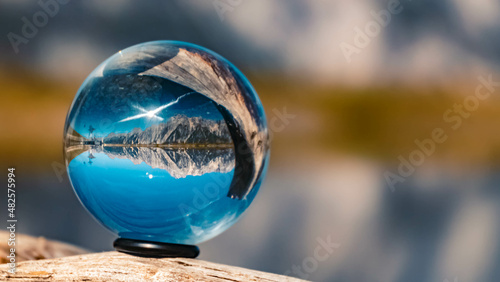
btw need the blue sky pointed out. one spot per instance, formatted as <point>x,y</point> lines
<point>121,111</point>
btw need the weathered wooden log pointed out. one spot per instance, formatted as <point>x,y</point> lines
<point>33,248</point>
<point>115,266</point>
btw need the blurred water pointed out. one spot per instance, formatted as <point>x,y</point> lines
<point>438,225</point>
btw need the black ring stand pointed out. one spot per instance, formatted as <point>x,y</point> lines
<point>155,249</point>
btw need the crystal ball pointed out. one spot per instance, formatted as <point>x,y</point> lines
<point>166,141</point>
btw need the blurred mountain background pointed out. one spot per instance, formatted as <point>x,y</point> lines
<point>338,124</point>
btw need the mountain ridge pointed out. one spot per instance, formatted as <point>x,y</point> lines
<point>179,163</point>
<point>179,129</point>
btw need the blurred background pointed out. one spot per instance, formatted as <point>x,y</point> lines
<point>349,88</point>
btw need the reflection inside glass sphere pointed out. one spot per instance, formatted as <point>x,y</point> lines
<point>166,141</point>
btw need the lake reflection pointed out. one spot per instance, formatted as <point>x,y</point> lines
<point>159,194</point>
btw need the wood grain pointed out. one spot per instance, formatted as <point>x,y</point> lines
<point>114,266</point>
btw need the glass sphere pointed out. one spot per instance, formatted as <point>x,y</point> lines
<point>166,141</point>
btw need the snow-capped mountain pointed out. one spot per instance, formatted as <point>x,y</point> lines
<point>178,162</point>
<point>179,129</point>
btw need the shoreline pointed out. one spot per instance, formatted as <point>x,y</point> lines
<point>172,146</point>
